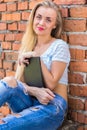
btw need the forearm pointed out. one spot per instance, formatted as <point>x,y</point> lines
<point>48,77</point>
<point>31,90</point>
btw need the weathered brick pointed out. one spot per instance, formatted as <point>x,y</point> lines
<point>12,7</point>
<point>64,12</point>
<point>10,0</point>
<point>10,73</point>
<point>6,45</point>
<point>81,118</point>
<point>18,36</point>
<point>80,12</point>
<point>3,26</point>
<point>2,36</point>
<point>25,15</point>
<point>33,3</point>
<point>70,1</point>
<point>75,25</point>
<point>10,37</point>
<point>12,26</point>
<point>76,78</point>
<point>11,56</point>
<point>7,65</point>
<point>2,73</point>
<point>78,39</point>
<point>80,91</point>
<point>2,7</point>
<point>78,66</point>
<point>11,17</point>
<point>86,105</point>
<point>80,128</point>
<point>76,104</point>
<point>22,5</point>
<point>1,64</point>
<point>15,46</point>
<point>77,54</point>
<point>21,26</point>
<point>73,115</point>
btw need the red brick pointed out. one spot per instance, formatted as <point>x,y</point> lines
<point>77,54</point>
<point>33,3</point>
<point>2,7</point>
<point>15,66</point>
<point>22,5</point>
<point>10,37</point>
<point>25,15</point>
<point>2,55</point>
<point>15,46</point>
<point>80,91</point>
<point>70,1</point>
<point>86,105</point>
<point>64,12</point>
<point>80,12</point>
<point>10,73</point>
<point>80,128</point>
<point>12,26</point>
<point>3,26</point>
<point>13,37</point>
<point>21,26</point>
<point>10,0</point>
<point>11,17</point>
<point>2,36</point>
<point>0,64</point>
<point>18,36</point>
<point>86,54</point>
<point>78,39</point>
<point>78,66</point>
<point>75,25</point>
<point>11,7</point>
<point>73,115</point>
<point>81,118</point>
<point>76,104</point>
<point>76,78</point>
<point>6,45</point>
<point>7,65</point>
<point>11,56</point>
<point>2,73</point>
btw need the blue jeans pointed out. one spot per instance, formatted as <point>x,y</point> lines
<point>33,114</point>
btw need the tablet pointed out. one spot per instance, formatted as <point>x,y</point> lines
<point>33,73</point>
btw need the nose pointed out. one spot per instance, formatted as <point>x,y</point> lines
<point>42,22</point>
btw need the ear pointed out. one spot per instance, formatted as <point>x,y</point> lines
<point>54,27</point>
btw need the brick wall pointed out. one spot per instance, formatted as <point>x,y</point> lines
<point>13,18</point>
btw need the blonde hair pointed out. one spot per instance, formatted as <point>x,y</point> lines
<point>30,38</point>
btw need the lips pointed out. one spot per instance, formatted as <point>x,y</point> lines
<point>40,28</point>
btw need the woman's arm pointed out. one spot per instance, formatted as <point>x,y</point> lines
<point>44,95</point>
<point>53,76</point>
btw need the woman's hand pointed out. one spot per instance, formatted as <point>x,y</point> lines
<point>23,58</point>
<point>44,95</point>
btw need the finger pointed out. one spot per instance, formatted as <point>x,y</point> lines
<point>50,92</point>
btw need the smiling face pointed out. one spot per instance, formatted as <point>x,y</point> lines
<point>44,21</point>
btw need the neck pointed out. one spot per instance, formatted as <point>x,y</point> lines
<point>42,40</point>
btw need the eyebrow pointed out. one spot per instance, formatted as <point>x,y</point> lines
<point>46,17</point>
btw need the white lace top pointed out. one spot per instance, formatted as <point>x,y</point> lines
<point>58,51</point>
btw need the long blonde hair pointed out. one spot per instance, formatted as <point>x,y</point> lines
<point>29,39</point>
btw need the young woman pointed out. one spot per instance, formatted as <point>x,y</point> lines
<point>39,108</point>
